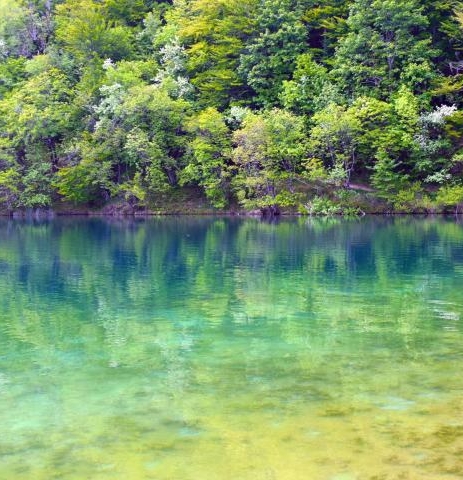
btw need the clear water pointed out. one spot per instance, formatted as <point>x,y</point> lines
<point>205,348</point>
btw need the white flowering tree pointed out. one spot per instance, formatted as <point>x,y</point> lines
<point>433,145</point>
<point>172,74</point>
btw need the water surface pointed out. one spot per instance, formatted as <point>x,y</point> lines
<point>210,348</point>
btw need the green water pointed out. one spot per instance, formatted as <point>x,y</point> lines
<point>205,348</point>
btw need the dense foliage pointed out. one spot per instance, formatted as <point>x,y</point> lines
<point>266,104</point>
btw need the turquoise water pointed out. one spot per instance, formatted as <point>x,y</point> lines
<point>210,348</point>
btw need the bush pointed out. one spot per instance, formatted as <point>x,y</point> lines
<point>450,196</point>
<point>325,206</point>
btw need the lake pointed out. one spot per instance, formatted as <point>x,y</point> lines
<point>231,349</point>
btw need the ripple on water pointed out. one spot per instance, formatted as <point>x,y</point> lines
<point>396,403</point>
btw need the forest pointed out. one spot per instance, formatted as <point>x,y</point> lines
<point>330,107</point>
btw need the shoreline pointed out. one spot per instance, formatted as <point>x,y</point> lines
<point>44,214</point>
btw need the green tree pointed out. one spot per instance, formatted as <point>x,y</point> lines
<point>387,178</point>
<point>84,29</point>
<point>335,139</point>
<point>384,37</point>
<point>269,153</point>
<point>210,152</point>
<point>12,73</point>
<point>10,181</point>
<point>270,57</point>
<point>310,89</point>
<point>326,24</point>
<point>127,12</point>
<point>35,118</point>
<point>135,142</point>
<point>26,27</point>
<point>215,34</point>
<point>153,110</point>
<point>450,196</point>
<point>37,115</point>
<point>88,179</point>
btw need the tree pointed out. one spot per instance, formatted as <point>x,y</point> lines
<point>127,12</point>
<point>387,178</point>
<point>270,57</point>
<point>210,151</point>
<point>434,148</point>
<point>88,179</point>
<point>326,24</point>
<point>214,34</point>
<point>34,119</point>
<point>12,73</point>
<point>335,138</point>
<point>26,26</point>
<point>450,196</point>
<point>37,115</point>
<point>384,37</point>
<point>151,109</point>
<point>84,30</point>
<point>268,154</point>
<point>310,89</point>
<point>10,182</point>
